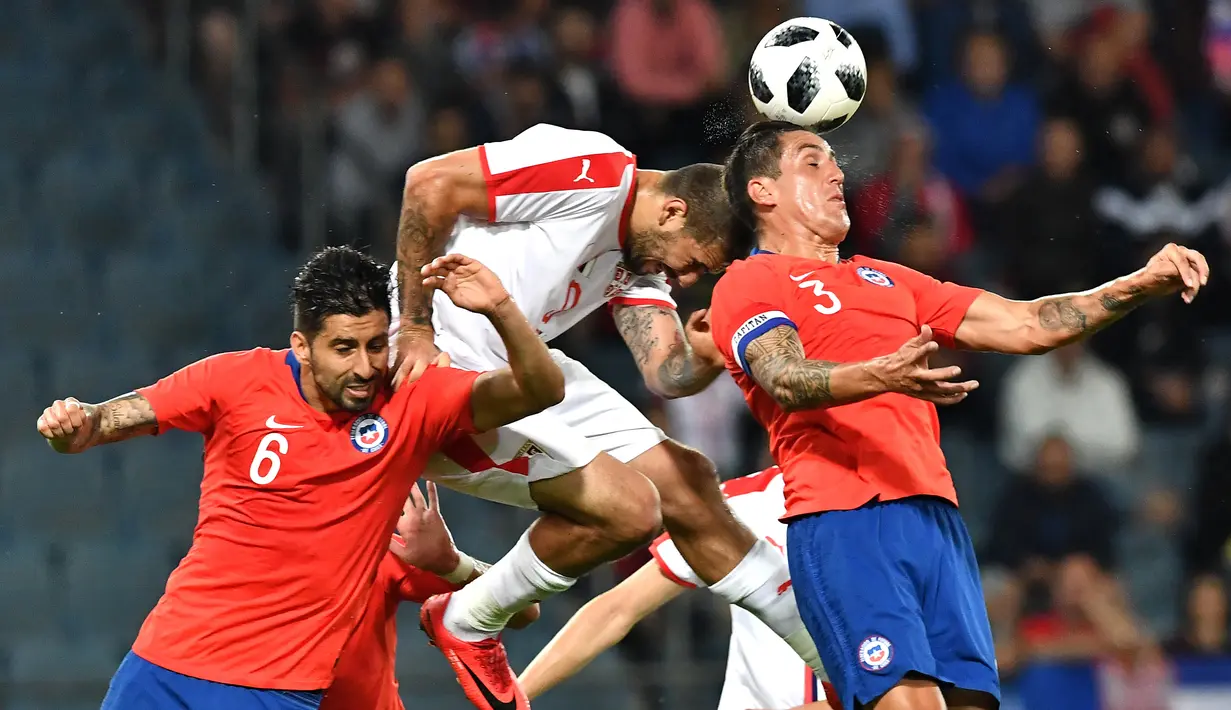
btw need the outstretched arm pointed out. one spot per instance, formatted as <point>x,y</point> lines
<point>436,193</point>
<point>71,427</point>
<point>777,362</point>
<point>1031,327</point>
<point>599,625</point>
<point>675,361</point>
<point>533,381</point>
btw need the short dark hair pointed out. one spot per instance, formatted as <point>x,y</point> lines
<point>338,281</point>
<point>757,153</point>
<point>700,187</point>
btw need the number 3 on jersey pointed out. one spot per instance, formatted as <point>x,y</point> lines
<point>831,304</point>
<point>264,453</point>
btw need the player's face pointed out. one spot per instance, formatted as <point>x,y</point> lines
<point>809,189</point>
<point>348,360</point>
<point>676,254</point>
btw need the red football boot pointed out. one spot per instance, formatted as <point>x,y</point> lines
<point>482,667</point>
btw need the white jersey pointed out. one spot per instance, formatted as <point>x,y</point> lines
<point>762,670</point>
<point>557,213</point>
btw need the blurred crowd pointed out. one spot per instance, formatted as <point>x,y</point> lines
<point>1028,146</point>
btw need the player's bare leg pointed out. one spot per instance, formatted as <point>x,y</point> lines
<point>594,514</point>
<point>737,567</point>
<point>913,692</point>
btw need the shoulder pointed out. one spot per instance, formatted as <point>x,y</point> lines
<point>545,143</point>
<point>745,272</point>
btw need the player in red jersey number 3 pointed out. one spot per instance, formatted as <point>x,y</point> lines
<point>305,449</point>
<point>832,356</point>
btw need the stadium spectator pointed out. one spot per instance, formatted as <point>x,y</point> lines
<point>1204,628</point>
<point>884,23</point>
<point>504,33</point>
<point>984,126</point>
<point>1072,392</point>
<point>1058,20</point>
<point>335,40</point>
<point>1110,109</point>
<point>1207,548</point>
<point>379,133</point>
<point>588,90</point>
<point>884,117</point>
<point>911,197</point>
<point>1055,537</point>
<point>1047,230</point>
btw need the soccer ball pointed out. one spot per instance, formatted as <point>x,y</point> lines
<point>808,71</point>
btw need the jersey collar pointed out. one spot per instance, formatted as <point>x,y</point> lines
<point>295,372</point>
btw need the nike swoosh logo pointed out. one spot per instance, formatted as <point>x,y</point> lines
<point>492,700</point>
<point>270,423</point>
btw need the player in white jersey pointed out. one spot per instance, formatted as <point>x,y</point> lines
<point>569,223</point>
<point>762,671</point>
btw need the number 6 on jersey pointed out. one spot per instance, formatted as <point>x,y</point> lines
<point>264,453</point>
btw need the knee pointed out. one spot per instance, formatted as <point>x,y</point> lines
<point>686,479</point>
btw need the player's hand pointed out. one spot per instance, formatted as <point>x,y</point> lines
<point>907,372</point>
<point>426,542</point>
<point>415,353</point>
<point>701,338</point>
<point>1176,268</point>
<point>466,282</point>
<point>68,425</point>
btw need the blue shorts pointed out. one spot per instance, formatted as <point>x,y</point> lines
<point>141,685</point>
<point>892,588</point>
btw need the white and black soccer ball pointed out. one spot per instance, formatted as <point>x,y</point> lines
<point>808,71</point>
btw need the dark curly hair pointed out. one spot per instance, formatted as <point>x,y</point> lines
<point>338,281</point>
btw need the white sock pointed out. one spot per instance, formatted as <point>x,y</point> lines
<point>761,584</point>
<point>481,609</point>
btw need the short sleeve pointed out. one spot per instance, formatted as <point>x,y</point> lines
<point>647,290</point>
<point>940,304</point>
<point>671,563</point>
<point>187,399</point>
<point>442,398</point>
<point>548,172</point>
<point>741,312</point>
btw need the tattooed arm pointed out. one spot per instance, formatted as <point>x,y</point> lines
<point>436,193</point>
<point>676,361</point>
<point>777,362</point>
<point>71,427</point>
<point>1031,327</point>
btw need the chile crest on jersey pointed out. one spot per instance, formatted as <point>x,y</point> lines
<point>369,433</point>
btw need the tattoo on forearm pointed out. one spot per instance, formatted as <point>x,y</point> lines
<point>1086,313</point>
<point>679,374</point>
<point>1061,314</point>
<point>1130,299</point>
<point>125,417</point>
<point>779,366</point>
<point>418,242</point>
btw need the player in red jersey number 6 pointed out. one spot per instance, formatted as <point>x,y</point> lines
<point>305,449</point>
<point>816,344</point>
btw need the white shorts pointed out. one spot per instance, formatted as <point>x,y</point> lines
<point>500,465</point>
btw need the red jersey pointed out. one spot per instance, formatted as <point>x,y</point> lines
<point>295,514</point>
<point>365,676</point>
<point>840,458</point>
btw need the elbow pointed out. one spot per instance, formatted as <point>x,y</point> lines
<point>428,184</point>
<point>550,392</point>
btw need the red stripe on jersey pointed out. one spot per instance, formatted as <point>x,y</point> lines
<point>623,301</point>
<point>627,213</point>
<point>752,483</point>
<point>467,453</point>
<point>487,180</point>
<point>809,686</point>
<point>664,567</point>
<point>583,172</point>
